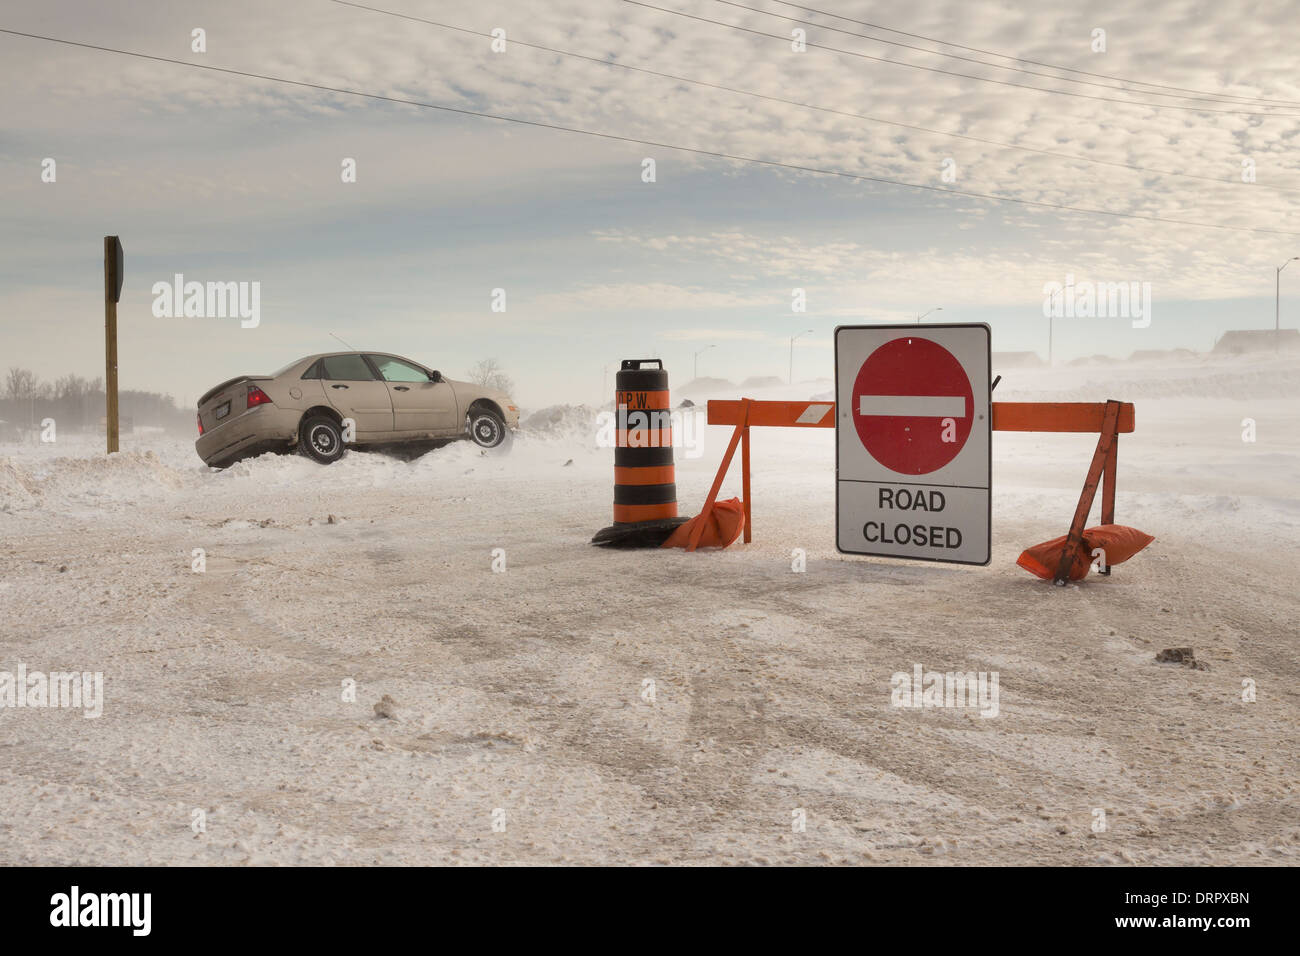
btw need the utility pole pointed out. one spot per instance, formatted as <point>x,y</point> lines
<point>792,338</point>
<point>113,269</point>
<point>1277,303</point>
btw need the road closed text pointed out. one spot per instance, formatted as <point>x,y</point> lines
<point>905,532</point>
<point>935,523</point>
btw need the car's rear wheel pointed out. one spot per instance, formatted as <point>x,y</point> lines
<point>487,429</point>
<point>321,439</point>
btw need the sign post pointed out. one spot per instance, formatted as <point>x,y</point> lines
<point>113,273</point>
<point>913,440</point>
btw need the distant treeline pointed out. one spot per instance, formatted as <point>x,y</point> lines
<point>77,403</point>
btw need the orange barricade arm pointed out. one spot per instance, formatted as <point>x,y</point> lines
<point>1108,419</point>
<point>1007,416</point>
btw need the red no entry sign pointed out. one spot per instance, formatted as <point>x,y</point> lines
<point>912,405</point>
<point>913,442</point>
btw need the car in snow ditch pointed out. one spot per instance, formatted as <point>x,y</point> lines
<point>323,403</point>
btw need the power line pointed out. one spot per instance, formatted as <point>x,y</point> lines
<point>967,76</point>
<point>1050,66</point>
<point>811,106</point>
<point>1209,98</point>
<point>614,137</point>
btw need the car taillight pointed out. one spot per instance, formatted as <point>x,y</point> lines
<point>257,397</point>
<point>199,418</point>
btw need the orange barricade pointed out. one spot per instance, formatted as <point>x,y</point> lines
<point>1109,419</point>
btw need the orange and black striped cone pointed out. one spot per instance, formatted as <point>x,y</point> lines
<point>645,483</point>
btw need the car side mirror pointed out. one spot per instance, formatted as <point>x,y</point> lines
<point>435,376</point>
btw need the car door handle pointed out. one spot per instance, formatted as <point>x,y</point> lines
<point>400,388</point>
<point>338,386</point>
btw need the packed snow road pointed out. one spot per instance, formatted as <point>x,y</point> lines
<point>321,665</point>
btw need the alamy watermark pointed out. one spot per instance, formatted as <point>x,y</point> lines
<point>65,689</point>
<point>129,910</point>
<point>922,688</point>
<point>1098,300</point>
<point>652,428</point>
<point>208,300</point>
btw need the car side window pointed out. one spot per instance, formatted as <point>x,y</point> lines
<point>314,371</point>
<point>346,368</point>
<point>395,370</point>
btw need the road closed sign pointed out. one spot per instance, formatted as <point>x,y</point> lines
<point>913,435</point>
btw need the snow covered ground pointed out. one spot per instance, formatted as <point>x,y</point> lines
<point>523,725</point>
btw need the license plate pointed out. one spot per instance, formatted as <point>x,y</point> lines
<point>222,410</point>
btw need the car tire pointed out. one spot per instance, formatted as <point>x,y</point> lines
<point>488,430</point>
<point>321,439</point>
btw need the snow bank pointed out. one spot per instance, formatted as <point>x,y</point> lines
<point>560,421</point>
<point>106,480</point>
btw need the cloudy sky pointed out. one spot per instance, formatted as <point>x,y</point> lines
<point>222,177</point>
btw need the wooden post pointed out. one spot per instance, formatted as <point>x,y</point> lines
<point>112,290</point>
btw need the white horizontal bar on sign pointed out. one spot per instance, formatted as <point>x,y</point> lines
<point>913,406</point>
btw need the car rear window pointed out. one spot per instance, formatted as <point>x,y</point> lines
<point>347,368</point>
<point>280,372</point>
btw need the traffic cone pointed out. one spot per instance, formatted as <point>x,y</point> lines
<point>645,483</point>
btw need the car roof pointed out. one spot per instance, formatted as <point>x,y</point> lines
<point>319,355</point>
<point>309,359</point>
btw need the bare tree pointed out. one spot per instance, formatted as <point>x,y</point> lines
<point>75,401</point>
<point>71,388</point>
<point>20,384</point>
<point>489,374</point>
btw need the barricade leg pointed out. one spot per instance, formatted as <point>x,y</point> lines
<point>1108,490</point>
<point>744,480</point>
<point>741,427</point>
<point>1105,445</point>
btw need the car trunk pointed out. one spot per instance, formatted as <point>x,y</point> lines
<point>226,401</point>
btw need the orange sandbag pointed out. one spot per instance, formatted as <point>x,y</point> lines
<point>722,526</point>
<point>1118,541</point>
<point>1042,560</point>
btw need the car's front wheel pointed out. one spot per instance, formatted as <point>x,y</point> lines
<point>321,439</point>
<point>487,429</point>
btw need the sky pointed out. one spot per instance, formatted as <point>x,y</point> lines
<point>227,178</point>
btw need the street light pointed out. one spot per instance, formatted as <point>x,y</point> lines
<point>920,317</point>
<point>1277,302</point>
<point>1051,321</point>
<point>792,338</point>
<point>697,359</point>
